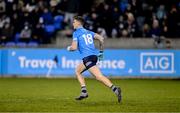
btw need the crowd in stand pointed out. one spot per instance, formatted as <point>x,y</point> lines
<point>39,20</point>
<point>136,18</point>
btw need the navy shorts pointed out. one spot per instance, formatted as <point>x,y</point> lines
<point>90,61</point>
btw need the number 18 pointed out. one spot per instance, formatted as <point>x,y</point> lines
<point>88,38</point>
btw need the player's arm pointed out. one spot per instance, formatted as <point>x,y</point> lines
<point>101,46</point>
<point>101,40</point>
<point>73,46</point>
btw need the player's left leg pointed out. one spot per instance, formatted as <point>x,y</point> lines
<point>99,76</point>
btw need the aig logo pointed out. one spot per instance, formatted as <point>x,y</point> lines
<point>157,63</point>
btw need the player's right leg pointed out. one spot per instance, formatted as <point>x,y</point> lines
<point>99,76</point>
<point>81,68</point>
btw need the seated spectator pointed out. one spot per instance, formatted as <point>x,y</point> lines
<point>168,44</point>
<point>2,7</point>
<point>4,19</point>
<point>92,21</point>
<point>114,33</point>
<point>121,25</point>
<point>165,31</point>
<point>25,35</point>
<point>161,13</point>
<point>39,32</point>
<point>47,16</point>
<point>172,21</point>
<point>102,32</point>
<point>6,33</point>
<point>162,42</point>
<point>130,25</point>
<point>146,31</point>
<point>155,30</point>
<point>111,18</point>
<point>124,33</point>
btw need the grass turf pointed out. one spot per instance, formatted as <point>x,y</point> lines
<point>57,95</point>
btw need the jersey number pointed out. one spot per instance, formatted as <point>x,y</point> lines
<point>88,39</point>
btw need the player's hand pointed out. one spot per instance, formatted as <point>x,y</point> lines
<point>101,55</point>
<point>68,48</point>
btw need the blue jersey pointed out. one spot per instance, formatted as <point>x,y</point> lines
<point>85,41</point>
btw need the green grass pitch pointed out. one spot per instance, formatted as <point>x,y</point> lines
<point>57,95</point>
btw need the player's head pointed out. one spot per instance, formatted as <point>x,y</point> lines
<point>78,21</point>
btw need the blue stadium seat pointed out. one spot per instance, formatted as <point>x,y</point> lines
<point>10,44</point>
<point>17,36</point>
<point>58,21</point>
<point>32,44</point>
<point>49,29</point>
<point>21,44</point>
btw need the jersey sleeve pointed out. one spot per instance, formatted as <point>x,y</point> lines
<point>74,36</point>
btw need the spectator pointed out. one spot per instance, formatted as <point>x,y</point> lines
<point>161,12</point>
<point>145,31</point>
<point>2,7</point>
<point>172,22</point>
<point>155,31</point>
<point>124,33</point>
<point>159,42</point>
<point>92,22</point>
<point>71,10</point>
<point>16,23</point>
<point>25,35</point>
<point>102,32</point>
<point>123,5</point>
<point>114,33</point>
<point>4,19</point>
<point>39,32</point>
<point>130,25</point>
<point>168,44</point>
<point>121,25</point>
<point>10,6</point>
<point>47,16</point>
<point>111,18</point>
<point>106,19</point>
<point>165,31</point>
<point>115,18</point>
<point>6,33</point>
